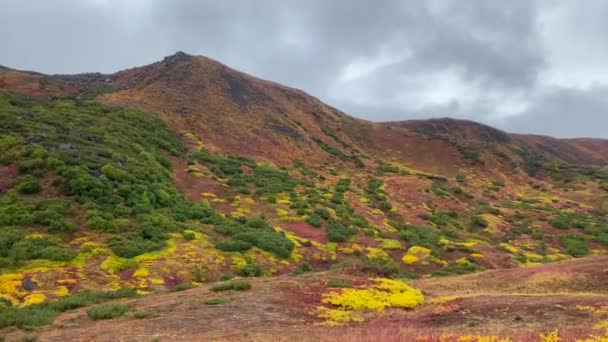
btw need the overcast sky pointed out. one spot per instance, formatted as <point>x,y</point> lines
<point>523,66</point>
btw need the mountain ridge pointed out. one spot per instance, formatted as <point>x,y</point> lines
<point>181,56</point>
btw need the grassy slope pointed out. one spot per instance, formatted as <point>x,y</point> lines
<point>520,303</point>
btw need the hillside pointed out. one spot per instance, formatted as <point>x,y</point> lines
<point>186,172</point>
<point>489,305</point>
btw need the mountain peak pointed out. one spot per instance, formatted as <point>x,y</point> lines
<point>178,57</point>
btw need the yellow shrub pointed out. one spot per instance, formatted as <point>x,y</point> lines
<point>376,254</point>
<point>377,212</point>
<point>335,317</point>
<point>62,291</point>
<point>550,337</point>
<point>419,251</point>
<point>409,259</point>
<point>238,262</point>
<point>416,254</point>
<point>383,294</point>
<point>390,244</point>
<point>10,284</point>
<point>33,298</point>
<point>141,272</point>
<point>115,264</point>
<point>476,338</point>
<point>157,281</point>
<point>509,248</point>
<point>462,262</point>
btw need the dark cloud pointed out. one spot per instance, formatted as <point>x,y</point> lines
<point>510,64</point>
<point>566,112</point>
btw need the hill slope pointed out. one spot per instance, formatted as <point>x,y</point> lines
<point>518,303</point>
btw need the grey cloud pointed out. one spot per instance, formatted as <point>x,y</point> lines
<point>566,112</point>
<point>387,60</point>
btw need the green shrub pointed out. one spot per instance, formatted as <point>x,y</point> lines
<point>338,283</point>
<point>234,246</point>
<point>226,276</point>
<point>107,311</point>
<point>251,270</point>
<point>315,221</point>
<point>409,275</point>
<point>28,185</point>
<point>460,178</point>
<point>303,268</point>
<point>45,313</point>
<point>462,268</point>
<point>217,301</point>
<point>40,248</point>
<point>87,298</point>
<point>575,245</point>
<point>338,232</point>
<point>182,287</point>
<point>235,285</point>
<point>421,236</point>
<point>383,267</point>
<point>133,245</point>
<point>28,317</point>
<point>31,165</point>
<point>270,241</point>
<point>560,222</point>
<point>323,213</point>
<point>189,235</point>
<point>479,222</point>
<point>143,314</point>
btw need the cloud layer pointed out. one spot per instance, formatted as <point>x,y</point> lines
<point>523,65</point>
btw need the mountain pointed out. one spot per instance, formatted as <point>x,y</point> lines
<point>186,172</point>
<point>271,121</point>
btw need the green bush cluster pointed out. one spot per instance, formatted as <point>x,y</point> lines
<point>16,248</point>
<point>468,266</point>
<point>338,283</point>
<point>384,167</point>
<point>251,270</point>
<point>217,301</point>
<point>315,220</point>
<point>28,184</point>
<point>111,161</point>
<point>377,195</point>
<point>439,217</point>
<point>470,154</point>
<point>143,314</point>
<point>24,213</point>
<point>352,157</point>
<point>478,222</point>
<point>575,245</point>
<point>254,232</point>
<point>421,236</point>
<point>45,313</point>
<point>107,311</point>
<point>342,187</point>
<point>268,180</point>
<point>339,232</point>
<point>565,220</point>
